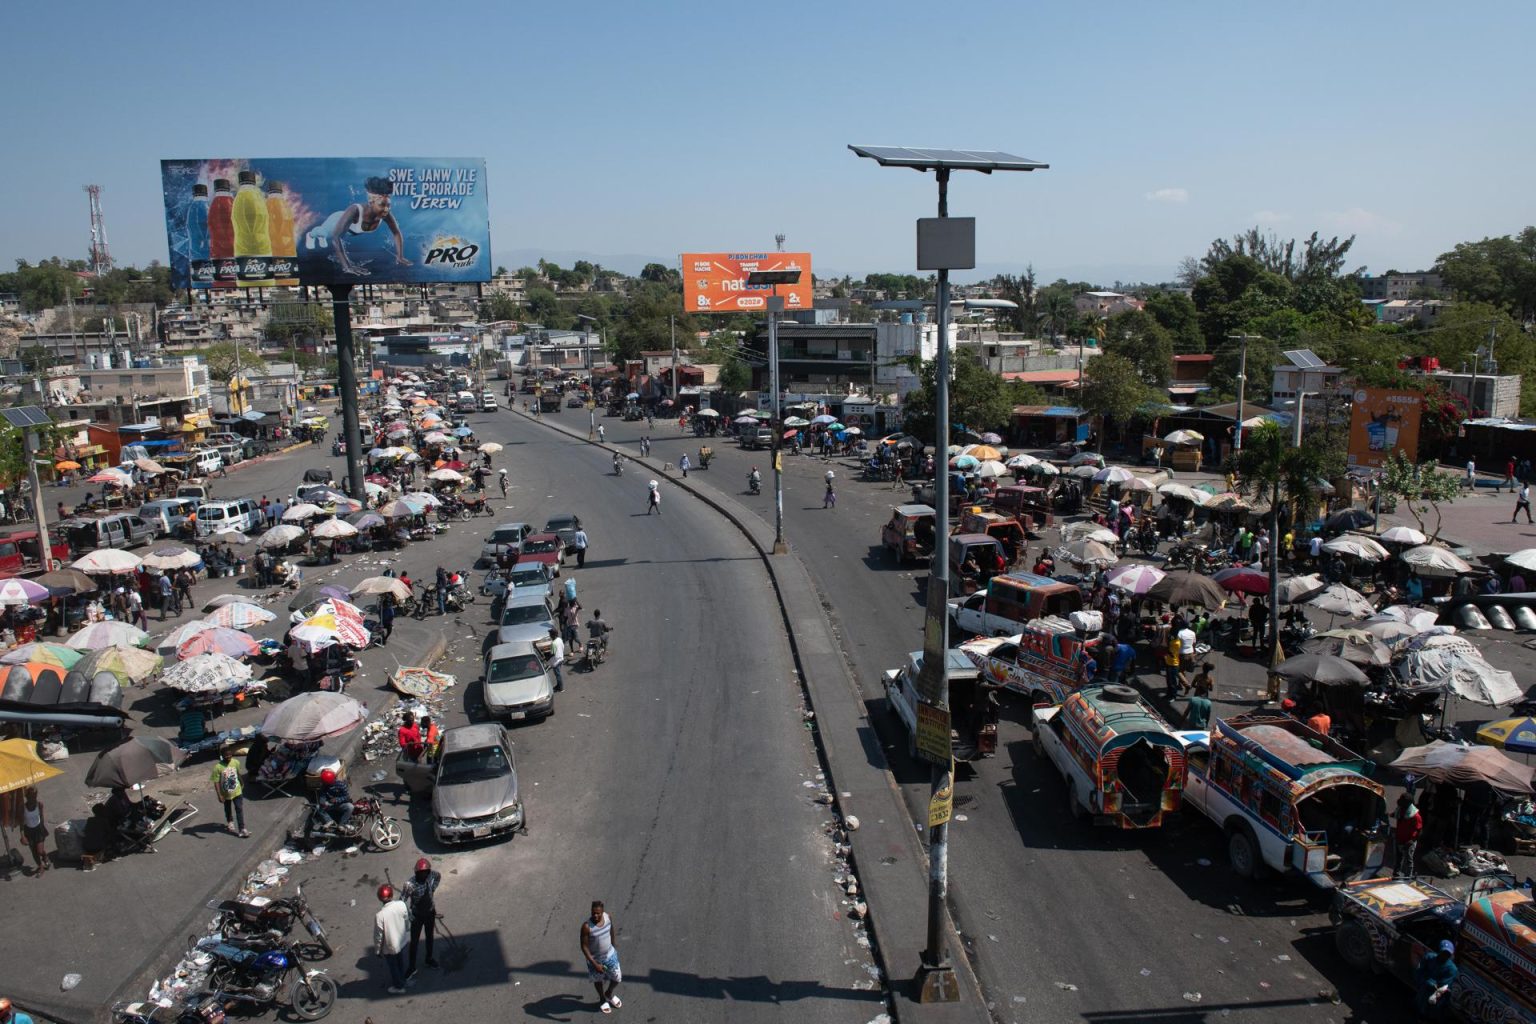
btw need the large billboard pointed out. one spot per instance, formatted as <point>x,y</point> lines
<point>716,282</point>
<point>253,223</point>
<point>1381,421</point>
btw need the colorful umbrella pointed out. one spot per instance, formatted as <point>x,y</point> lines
<point>67,466</point>
<point>327,627</point>
<point>217,640</point>
<point>964,462</point>
<point>107,634</point>
<point>366,520</point>
<point>240,615</point>
<point>42,653</point>
<point>1517,734</point>
<point>111,477</point>
<point>398,508</point>
<point>206,673</point>
<point>984,453</point>
<point>20,766</point>
<point>128,664</point>
<point>16,592</point>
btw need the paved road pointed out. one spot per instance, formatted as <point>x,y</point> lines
<point>1062,922</point>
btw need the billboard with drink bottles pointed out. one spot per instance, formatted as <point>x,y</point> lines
<point>257,223</point>
<point>716,282</point>
<point>1381,421</point>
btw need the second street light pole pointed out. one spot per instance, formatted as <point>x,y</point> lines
<point>772,279</point>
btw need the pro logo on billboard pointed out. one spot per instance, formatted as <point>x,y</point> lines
<point>260,222</point>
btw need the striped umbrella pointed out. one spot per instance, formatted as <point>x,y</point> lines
<point>239,615</point>
<point>217,640</point>
<point>16,592</point>
<point>128,664</point>
<point>42,653</point>
<point>1135,579</point>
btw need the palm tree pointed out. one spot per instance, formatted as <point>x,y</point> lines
<point>1057,311</point>
<point>1270,465</point>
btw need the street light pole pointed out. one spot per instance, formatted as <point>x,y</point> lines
<point>1242,387</point>
<point>774,278</point>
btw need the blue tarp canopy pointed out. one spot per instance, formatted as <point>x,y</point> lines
<point>1062,410</point>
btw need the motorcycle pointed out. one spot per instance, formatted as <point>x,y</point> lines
<point>457,598</point>
<point>453,509</point>
<point>597,651</point>
<point>754,485</point>
<point>265,974</point>
<point>253,916</point>
<point>368,821</point>
<point>618,466</point>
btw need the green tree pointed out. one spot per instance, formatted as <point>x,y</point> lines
<point>498,307</point>
<point>658,273</point>
<point>1143,341</point>
<point>544,308</point>
<point>1271,467</point>
<point>735,376</point>
<point>1422,488</point>
<point>1057,309</point>
<point>1113,388</point>
<point>977,398</point>
<point>1500,271</point>
<point>1177,314</point>
<point>1263,354</point>
<point>1020,290</point>
<point>1236,291</point>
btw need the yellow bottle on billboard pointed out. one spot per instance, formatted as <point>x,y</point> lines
<point>253,242</point>
<point>285,259</point>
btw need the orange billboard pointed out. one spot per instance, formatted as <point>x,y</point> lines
<point>716,282</point>
<point>1381,421</point>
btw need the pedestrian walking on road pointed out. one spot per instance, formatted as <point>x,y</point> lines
<point>829,499</point>
<point>653,499</point>
<point>226,783</point>
<point>501,476</point>
<point>602,959</point>
<point>556,657</point>
<point>183,590</point>
<point>136,609</point>
<point>389,936</point>
<point>34,829</point>
<point>1471,473</point>
<point>1410,825</point>
<point>579,542</point>
<point>1522,502</point>
<point>442,591</point>
<point>386,619</point>
<point>684,465</point>
<point>167,592</point>
<point>420,896</point>
<point>1509,474</point>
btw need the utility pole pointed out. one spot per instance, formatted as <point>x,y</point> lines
<point>1242,388</point>
<point>672,326</point>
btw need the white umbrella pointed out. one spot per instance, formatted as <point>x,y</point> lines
<point>1299,588</point>
<point>744,420</point>
<point>1193,494</point>
<point>1138,483</point>
<point>422,498</point>
<point>332,529</point>
<point>1356,546</point>
<point>1135,579</point>
<point>378,585</point>
<point>1088,531</point>
<point>1083,472</point>
<point>446,475</point>
<point>1185,437</point>
<point>1341,600</point>
<point>302,511</point>
<point>1403,535</point>
<point>491,447</point>
<point>280,536</point>
<point>1113,475</point>
<point>1087,552</point>
<point>205,673</point>
<point>1388,631</point>
<point>797,421</point>
<point>107,560</point>
<point>1523,559</point>
<point>1463,671</point>
<point>712,413</point>
<point>314,716</point>
<point>1021,461</point>
<point>239,615</point>
<point>172,558</point>
<point>1045,469</point>
<point>1420,619</point>
<point>991,469</point>
<point>1428,560</point>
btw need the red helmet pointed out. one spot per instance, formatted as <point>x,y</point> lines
<point>328,776</point>
<point>5,1009</point>
<point>386,893</point>
<point>423,865</point>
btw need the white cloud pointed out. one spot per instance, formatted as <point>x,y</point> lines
<point>1270,217</point>
<point>1169,195</point>
<point>1357,219</point>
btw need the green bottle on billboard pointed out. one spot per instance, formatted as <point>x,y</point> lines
<point>253,243</point>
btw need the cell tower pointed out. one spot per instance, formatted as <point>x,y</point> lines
<point>101,256</point>
<point>779,238</point>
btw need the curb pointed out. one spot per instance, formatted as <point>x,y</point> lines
<point>898,999</point>
<point>159,962</point>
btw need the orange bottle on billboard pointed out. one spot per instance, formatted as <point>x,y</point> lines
<point>285,256</point>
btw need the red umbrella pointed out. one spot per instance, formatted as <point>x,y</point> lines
<point>1243,580</point>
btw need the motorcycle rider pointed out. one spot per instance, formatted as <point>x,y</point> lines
<point>333,803</point>
<point>755,481</point>
<point>419,895</point>
<point>618,465</point>
<point>442,591</point>
<point>598,630</point>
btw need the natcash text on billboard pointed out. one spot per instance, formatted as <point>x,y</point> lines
<point>254,223</point>
<point>716,282</point>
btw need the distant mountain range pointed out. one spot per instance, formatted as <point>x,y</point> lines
<point>632,263</point>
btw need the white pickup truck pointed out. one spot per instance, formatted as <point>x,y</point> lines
<point>973,706</point>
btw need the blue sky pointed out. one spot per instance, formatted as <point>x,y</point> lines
<point>653,129</point>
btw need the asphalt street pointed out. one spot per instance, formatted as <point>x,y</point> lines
<point>675,782</point>
<point>1063,922</point>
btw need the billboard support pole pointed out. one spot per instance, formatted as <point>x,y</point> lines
<point>346,383</point>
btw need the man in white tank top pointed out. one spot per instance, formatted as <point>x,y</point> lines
<point>602,958</point>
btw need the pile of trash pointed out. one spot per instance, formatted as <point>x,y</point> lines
<point>1464,860</point>
<point>379,735</point>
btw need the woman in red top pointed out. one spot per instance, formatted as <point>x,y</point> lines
<point>409,736</point>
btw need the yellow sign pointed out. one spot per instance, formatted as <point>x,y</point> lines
<point>933,733</point>
<point>941,806</point>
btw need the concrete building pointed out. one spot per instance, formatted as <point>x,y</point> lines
<point>1106,304</point>
<point>1300,370</point>
<point>819,357</point>
<point>1393,286</point>
<point>1424,311</point>
<point>1489,396</point>
<point>895,346</point>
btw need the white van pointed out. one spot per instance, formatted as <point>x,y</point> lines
<point>241,514</point>
<point>207,461</point>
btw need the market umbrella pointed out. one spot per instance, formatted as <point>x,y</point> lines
<point>991,470</point>
<point>1459,669</point>
<point>217,640</point>
<point>1113,475</point>
<point>1185,437</point>
<point>746,419</point>
<point>1517,734</point>
<point>1337,599</point>
<point>1084,472</point>
<point>398,508</point>
<point>42,653</point>
<point>1355,646</point>
<point>1461,764</point>
<point>1227,500</point>
<point>240,615</point>
<point>1189,494</point>
<point>280,536</point>
<point>1086,459</point>
<point>1138,483</point>
<point>491,447</point>
<point>114,477</point>
<point>1403,535</point>
<point>422,499</point>
<point>1021,461</point>
<point>314,716</point>
<point>376,586</point>
<point>71,580</point>
<point>67,466</point>
<point>16,592</point>
<point>1348,519</point>
<point>1243,580</point>
<point>366,520</point>
<point>333,529</point>
<point>1178,588</point>
<point>1135,579</point>
<point>1525,558</point>
<point>1089,531</point>
<point>462,432</point>
<point>172,557</point>
<point>149,466</point>
<point>206,673</point>
<point>1428,560</point>
<point>128,664</point>
<point>1044,469</point>
<point>317,592</point>
<point>1420,619</point>
<point>330,627</point>
<point>1327,669</point>
<point>135,760</point>
<point>984,453</point>
<point>797,422</point>
<point>181,634</point>
<point>222,600</point>
<point>303,510</point>
<point>1355,546</point>
<point>1088,553</point>
<point>1388,631</point>
<point>107,560</point>
<point>108,633</point>
<point>20,766</point>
